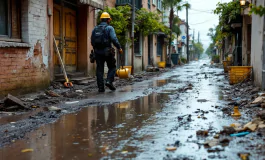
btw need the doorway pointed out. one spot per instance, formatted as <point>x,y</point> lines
<point>150,50</point>
<point>65,33</point>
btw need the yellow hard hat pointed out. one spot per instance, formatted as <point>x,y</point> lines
<point>105,15</point>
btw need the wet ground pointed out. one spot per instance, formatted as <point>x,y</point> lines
<point>141,122</point>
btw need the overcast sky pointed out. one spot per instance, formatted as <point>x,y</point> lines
<point>201,18</point>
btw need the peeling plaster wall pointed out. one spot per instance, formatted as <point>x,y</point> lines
<point>24,66</point>
<point>257,47</point>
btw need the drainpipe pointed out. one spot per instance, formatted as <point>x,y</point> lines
<point>263,56</point>
<point>50,37</point>
<point>132,34</point>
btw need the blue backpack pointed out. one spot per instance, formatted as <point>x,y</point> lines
<point>100,37</point>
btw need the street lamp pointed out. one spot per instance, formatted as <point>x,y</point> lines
<point>244,3</point>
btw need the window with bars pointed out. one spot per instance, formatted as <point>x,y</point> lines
<point>10,19</point>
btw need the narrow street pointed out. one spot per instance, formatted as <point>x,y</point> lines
<point>166,111</point>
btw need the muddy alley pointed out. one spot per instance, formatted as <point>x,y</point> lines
<point>178,115</point>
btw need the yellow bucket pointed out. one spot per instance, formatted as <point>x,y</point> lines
<point>128,67</point>
<point>161,64</point>
<point>238,74</point>
<point>123,105</point>
<point>123,73</point>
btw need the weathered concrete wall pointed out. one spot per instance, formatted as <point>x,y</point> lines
<point>257,46</point>
<point>111,3</point>
<point>27,68</point>
<point>145,52</point>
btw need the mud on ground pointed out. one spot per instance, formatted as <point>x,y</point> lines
<point>15,123</point>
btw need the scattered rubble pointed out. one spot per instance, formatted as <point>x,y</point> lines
<point>51,93</point>
<point>202,133</point>
<point>12,103</point>
<point>171,148</point>
<point>202,100</point>
<point>228,130</point>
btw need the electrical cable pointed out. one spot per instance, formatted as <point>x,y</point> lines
<point>201,10</point>
<point>203,21</point>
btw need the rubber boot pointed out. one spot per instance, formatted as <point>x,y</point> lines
<point>110,85</point>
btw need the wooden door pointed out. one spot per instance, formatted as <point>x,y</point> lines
<point>70,39</point>
<point>64,30</point>
<point>57,32</point>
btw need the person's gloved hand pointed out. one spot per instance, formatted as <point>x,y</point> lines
<point>121,51</point>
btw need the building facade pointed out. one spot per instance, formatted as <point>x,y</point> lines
<point>28,28</point>
<point>257,46</point>
<point>28,61</point>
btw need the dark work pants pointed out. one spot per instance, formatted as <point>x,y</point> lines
<point>101,58</point>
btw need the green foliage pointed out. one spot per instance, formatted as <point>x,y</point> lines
<point>227,12</point>
<point>210,49</point>
<point>148,22</point>
<point>173,6</point>
<point>120,21</point>
<point>198,48</point>
<point>171,3</point>
<point>216,58</point>
<point>175,27</point>
<point>259,10</point>
<point>183,60</point>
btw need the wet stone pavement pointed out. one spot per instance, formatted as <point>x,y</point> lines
<point>154,117</point>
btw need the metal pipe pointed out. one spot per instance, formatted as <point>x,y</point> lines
<point>188,50</point>
<point>132,34</point>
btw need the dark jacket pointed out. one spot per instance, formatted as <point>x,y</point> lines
<point>111,35</point>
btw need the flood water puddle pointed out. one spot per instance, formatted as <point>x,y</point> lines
<point>92,133</point>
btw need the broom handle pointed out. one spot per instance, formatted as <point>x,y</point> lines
<point>60,59</point>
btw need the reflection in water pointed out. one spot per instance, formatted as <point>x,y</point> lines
<point>95,132</point>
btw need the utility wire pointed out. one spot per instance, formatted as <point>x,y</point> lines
<point>201,10</point>
<point>204,21</point>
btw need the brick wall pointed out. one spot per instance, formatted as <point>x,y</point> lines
<point>18,75</point>
<point>26,69</point>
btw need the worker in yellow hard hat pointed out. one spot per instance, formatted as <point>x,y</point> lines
<point>102,37</point>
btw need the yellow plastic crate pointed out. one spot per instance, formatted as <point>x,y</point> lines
<point>238,74</point>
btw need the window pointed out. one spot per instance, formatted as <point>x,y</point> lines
<point>149,4</point>
<point>159,5</point>
<point>154,2</point>
<point>3,17</point>
<point>159,45</point>
<point>10,19</point>
<point>137,46</point>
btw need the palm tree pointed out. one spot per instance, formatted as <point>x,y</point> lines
<point>173,6</point>
<point>175,27</point>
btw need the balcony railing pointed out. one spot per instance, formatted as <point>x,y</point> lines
<point>138,3</point>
